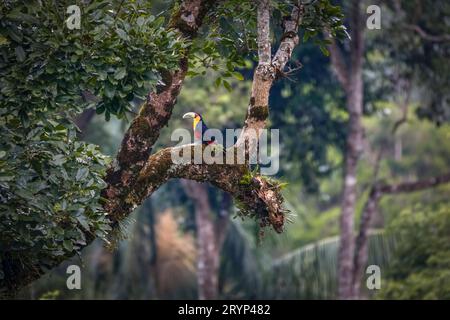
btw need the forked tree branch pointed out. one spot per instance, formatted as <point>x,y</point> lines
<point>135,174</point>
<point>144,130</point>
<point>370,208</point>
<point>258,195</point>
<point>266,73</point>
<point>136,144</point>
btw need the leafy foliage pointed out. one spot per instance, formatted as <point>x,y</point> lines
<point>116,56</point>
<point>410,56</point>
<point>49,191</point>
<point>50,183</point>
<point>421,263</point>
<point>310,107</point>
<point>231,36</point>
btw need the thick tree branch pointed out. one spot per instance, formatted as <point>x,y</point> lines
<point>414,185</point>
<point>426,36</point>
<point>289,39</point>
<point>134,175</point>
<point>265,73</point>
<point>263,28</point>
<point>370,208</point>
<point>153,116</point>
<point>357,33</point>
<point>257,195</point>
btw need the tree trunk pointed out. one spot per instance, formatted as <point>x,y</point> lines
<point>361,244</point>
<point>354,146</point>
<point>370,208</point>
<point>134,175</point>
<point>208,253</point>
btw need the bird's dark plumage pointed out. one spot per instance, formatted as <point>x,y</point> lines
<point>200,128</point>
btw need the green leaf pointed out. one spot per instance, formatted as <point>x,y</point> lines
<point>22,17</point>
<point>67,244</point>
<point>97,5</point>
<point>324,51</point>
<point>227,85</point>
<point>140,21</point>
<point>100,109</point>
<point>120,73</point>
<point>191,73</point>
<point>83,221</point>
<point>15,34</point>
<point>6,178</point>
<point>110,90</point>
<point>20,54</point>
<point>58,159</point>
<point>122,34</point>
<point>217,82</point>
<point>82,174</point>
<point>238,75</point>
<point>159,21</point>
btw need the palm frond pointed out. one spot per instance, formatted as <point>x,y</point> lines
<point>310,272</point>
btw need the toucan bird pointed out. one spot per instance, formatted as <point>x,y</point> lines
<point>200,128</point>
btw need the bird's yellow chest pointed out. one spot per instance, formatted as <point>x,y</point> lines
<point>195,122</point>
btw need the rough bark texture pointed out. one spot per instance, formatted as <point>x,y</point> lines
<point>353,86</point>
<point>258,195</point>
<point>135,174</point>
<point>143,132</point>
<point>267,71</point>
<point>137,142</point>
<point>361,251</point>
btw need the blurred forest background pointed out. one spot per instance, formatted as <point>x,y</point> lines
<point>406,139</point>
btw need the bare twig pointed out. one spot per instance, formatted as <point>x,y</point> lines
<point>426,36</point>
<point>339,66</point>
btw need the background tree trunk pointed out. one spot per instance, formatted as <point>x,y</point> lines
<point>370,208</point>
<point>208,252</point>
<point>352,82</point>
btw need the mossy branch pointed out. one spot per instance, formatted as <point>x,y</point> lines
<point>259,197</point>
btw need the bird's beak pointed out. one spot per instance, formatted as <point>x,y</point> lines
<point>189,115</point>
